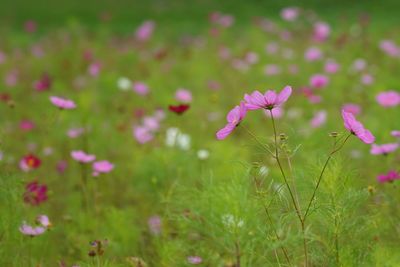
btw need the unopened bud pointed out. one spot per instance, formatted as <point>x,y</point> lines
<point>283,137</point>
<point>334,134</point>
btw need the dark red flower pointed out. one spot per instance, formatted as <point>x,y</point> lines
<point>35,193</point>
<point>30,162</point>
<point>4,97</point>
<point>179,109</point>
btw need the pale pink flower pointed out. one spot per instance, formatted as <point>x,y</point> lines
<point>44,221</point>
<point>31,230</point>
<point>272,48</point>
<point>183,95</point>
<point>321,31</point>
<point>195,260</point>
<point>140,88</point>
<point>234,117</point>
<point>62,103</point>
<point>352,108</point>
<point>356,128</point>
<point>102,166</point>
<point>82,157</point>
<point>359,64</point>
<point>319,81</point>
<point>383,149</point>
<point>272,69</point>
<point>151,123</point>
<point>367,79</point>
<point>390,48</point>
<point>395,133</point>
<point>251,57</point>
<point>142,134</point>
<point>319,119</point>
<point>313,54</point>
<point>290,13</point>
<point>331,66</point>
<point>388,98</point>
<point>94,69</point>
<point>75,132</point>
<point>145,30</point>
<point>269,100</point>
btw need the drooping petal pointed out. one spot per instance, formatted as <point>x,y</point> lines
<point>233,115</point>
<point>224,132</point>
<point>367,137</point>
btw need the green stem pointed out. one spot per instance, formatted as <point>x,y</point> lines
<point>322,173</point>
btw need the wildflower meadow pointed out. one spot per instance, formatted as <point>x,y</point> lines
<point>199,133</point>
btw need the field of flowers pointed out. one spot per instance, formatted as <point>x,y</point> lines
<point>232,141</point>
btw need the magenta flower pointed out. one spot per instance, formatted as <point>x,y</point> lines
<point>26,125</point>
<point>31,230</point>
<point>319,81</point>
<point>62,103</point>
<point>388,98</point>
<point>356,128</point>
<point>276,112</point>
<point>103,166</point>
<point>331,66</point>
<point>82,157</point>
<point>269,100</point>
<point>35,193</point>
<point>388,177</point>
<point>383,149</point>
<point>145,30</point>
<point>94,69</point>
<point>234,117</point>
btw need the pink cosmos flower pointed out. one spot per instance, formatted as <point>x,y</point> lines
<point>251,57</point>
<point>383,149</point>
<point>195,260</point>
<point>30,230</point>
<point>390,48</point>
<point>313,54</point>
<point>272,69</point>
<point>62,103</point>
<point>61,166</point>
<point>290,13</point>
<point>331,66</point>
<point>140,88</point>
<point>319,119</point>
<point>154,223</point>
<point>26,125</point>
<point>321,31</point>
<point>388,98</point>
<point>43,84</point>
<point>43,220</point>
<point>356,128</point>
<point>102,166</point>
<point>388,177</point>
<point>75,132</point>
<point>94,69</point>
<point>183,95</point>
<point>367,79</point>
<point>30,26</point>
<point>272,48</point>
<point>352,108</point>
<point>269,100</point>
<point>145,30</point>
<point>319,81</point>
<point>142,134</point>
<point>395,133</point>
<point>82,157</point>
<point>359,64</point>
<point>234,117</point>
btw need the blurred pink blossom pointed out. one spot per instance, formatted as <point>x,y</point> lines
<point>388,98</point>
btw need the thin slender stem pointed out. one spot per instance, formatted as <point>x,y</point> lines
<point>322,173</point>
<point>290,191</point>
<point>237,252</point>
<point>282,171</point>
<point>272,226</point>
<point>258,141</point>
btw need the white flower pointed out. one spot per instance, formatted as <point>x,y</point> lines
<point>174,137</point>
<point>124,84</point>
<point>203,154</point>
<point>183,141</point>
<point>231,221</point>
<point>170,139</point>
